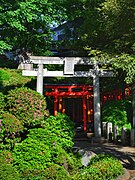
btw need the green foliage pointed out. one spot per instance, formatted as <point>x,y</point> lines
<point>26,24</point>
<point>107,32</point>
<point>2,101</point>
<point>54,172</point>
<point>63,128</point>
<point>117,112</point>
<point>11,78</point>
<point>7,171</point>
<point>46,152</point>
<point>7,63</point>
<point>37,158</point>
<point>102,167</point>
<point>125,62</point>
<point>28,106</point>
<point>31,155</point>
<point>4,46</point>
<point>11,123</point>
<point>10,130</point>
<point>57,130</point>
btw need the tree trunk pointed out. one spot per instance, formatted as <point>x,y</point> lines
<point>132,138</point>
<point>133,104</point>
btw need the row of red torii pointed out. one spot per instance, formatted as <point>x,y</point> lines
<point>80,104</point>
<point>69,71</point>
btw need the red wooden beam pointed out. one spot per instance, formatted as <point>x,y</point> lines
<point>67,94</point>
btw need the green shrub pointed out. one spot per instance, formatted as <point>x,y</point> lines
<point>7,171</point>
<point>2,102</point>
<point>11,78</point>
<point>54,172</point>
<point>102,167</point>
<point>28,106</point>
<point>63,128</point>
<point>34,157</point>
<point>45,153</point>
<point>11,123</point>
<point>57,130</point>
<point>10,130</point>
<point>31,155</point>
<point>68,161</point>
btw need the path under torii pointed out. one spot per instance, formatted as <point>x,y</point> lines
<point>68,71</point>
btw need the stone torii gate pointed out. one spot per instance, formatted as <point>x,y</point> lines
<point>69,63</point>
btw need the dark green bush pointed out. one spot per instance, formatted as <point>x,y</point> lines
<point>2,102</point>
<point>11,123</point>
<point>7,171</point>
<point>28,106</point>
<point>102,167</point>
<point>10,130</point>
<point>7,63</point>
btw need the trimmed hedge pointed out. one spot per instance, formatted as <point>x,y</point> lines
<point>11,78</point>
<point>47,150</point>
<point>28,106</point>
<point>101,167</point>
<point>7,171</point>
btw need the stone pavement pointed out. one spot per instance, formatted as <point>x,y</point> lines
<point>125,154</point>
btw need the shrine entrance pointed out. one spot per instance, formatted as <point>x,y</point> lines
<point>93,70</point>
<point>74,109</point>
<point>74,100</point>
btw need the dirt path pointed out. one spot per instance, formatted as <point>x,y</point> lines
<point>125,154</point>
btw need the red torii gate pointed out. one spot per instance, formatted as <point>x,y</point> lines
<point>58,92</point>
<point>73,91</point>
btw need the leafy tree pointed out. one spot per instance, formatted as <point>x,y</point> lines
<point>108,33</point>
<point>26,24</point>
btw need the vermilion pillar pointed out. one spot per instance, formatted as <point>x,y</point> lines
<point>55,101</point>
<point>88,108</point>
<point>60,105</point>
<point>63,107</point>
<point>84,114</point>
<point>73,109</point>
<point>55,106</point>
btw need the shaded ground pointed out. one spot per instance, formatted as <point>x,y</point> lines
<point>125,154</point>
